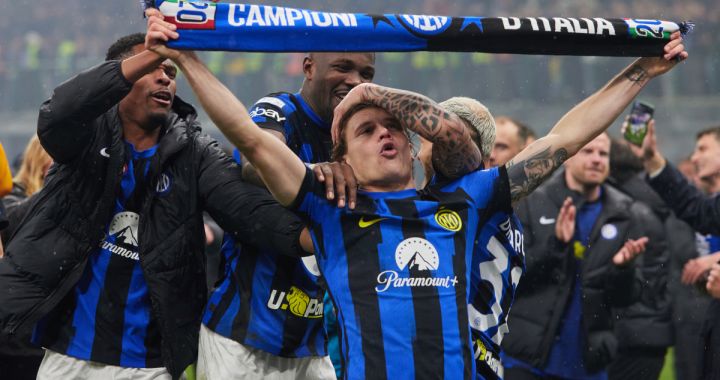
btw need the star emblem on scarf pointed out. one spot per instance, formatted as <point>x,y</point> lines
<point>468,22</point>
<point>376,19</point>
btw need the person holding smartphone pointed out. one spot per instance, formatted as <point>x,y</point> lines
<point>700,211</point>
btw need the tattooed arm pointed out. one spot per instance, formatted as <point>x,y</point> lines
<point>587,120</point>
<point>454,152</point>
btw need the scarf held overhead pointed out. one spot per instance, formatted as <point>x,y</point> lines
<point>264,28</point>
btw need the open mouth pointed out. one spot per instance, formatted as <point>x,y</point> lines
<point>388,150</point>
<point>162,97</point>
<point>341,94</point>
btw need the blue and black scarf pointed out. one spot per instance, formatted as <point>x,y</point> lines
<point>263,28</point>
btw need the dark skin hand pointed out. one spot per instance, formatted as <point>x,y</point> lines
<point>340,182</point>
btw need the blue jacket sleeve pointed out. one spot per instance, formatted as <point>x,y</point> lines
<point>696,209</point>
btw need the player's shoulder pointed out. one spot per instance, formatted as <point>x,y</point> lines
<point>273,107</point>
<point>481,176</point>
<point>278,100</point>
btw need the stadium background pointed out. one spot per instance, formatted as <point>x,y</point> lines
<point>46,41</point>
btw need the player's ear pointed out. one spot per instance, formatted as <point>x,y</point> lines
<point>308,66</point>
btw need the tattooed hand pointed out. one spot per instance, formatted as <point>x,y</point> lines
<point>650,67</point>
<point>454,151</point>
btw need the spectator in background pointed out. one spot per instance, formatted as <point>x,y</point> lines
<point>643,329</point>
<point>19,358</point>
<point>29,180</point>
<point>693,299</point>
<point>690,301</point>
<point>576,230</point>
<point>5,174</point>
<point>511,136</point>
<point>3,224</point>
<point>706,160</point>
<point>5,187</point>
<point>698,210</point>
<point>34,167</point>
<point>688,169</point>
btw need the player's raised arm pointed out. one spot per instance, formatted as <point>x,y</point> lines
<point>587,120</point>
<point>281,170</point>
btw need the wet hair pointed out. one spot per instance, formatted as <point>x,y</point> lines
<point>479,117</point>
<point>122,48</point>
<point>709,131</point>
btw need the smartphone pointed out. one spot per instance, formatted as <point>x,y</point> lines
<point>640,115</point>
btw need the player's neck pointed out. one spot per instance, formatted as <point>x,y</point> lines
<point>140,138</point>
<point>313,102</point>
<point>388,186</point>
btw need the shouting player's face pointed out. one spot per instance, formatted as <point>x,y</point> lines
<point>378,151</point>
<point>330,76</point>
<point>151,97</point>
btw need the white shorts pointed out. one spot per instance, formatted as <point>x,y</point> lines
<point>58,366</point>
<point>223,358</point>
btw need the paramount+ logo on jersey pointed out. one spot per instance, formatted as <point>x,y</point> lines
<point>414,255</point>
<point>296,302</point>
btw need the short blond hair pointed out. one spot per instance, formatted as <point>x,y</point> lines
<point>477,115</point>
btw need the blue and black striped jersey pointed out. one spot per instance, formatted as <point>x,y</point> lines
<point>397,268</point>
<point>107,318</point>
<point>266,300</point>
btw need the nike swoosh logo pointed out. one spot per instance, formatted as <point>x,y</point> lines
<point>104,153</point>
<point>544,220</point>
<point>367,223</point>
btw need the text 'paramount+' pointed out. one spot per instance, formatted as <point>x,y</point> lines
<point>390,278</point>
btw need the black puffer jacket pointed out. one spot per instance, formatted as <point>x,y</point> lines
<point>81,129</point>
<point>15,207</point>
<point>545,289</point>
<point>647,322</point>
